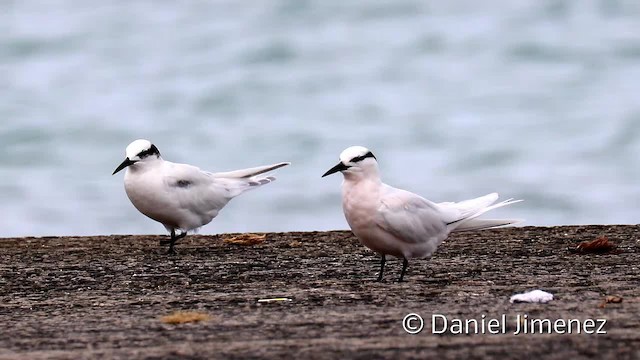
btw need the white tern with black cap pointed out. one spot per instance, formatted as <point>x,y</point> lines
<point>180,196</point>
<point>399,223</point>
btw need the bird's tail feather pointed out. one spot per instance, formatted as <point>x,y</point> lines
<point>480,224</point>
<point>470,207</point>
<point>261,181</point>
<point>250,172</point>
<point>472,223</point>
<point>239,181</point>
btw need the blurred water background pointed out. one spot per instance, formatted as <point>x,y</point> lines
<point>534,99</point>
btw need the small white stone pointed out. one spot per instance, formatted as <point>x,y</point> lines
<point>535,296</point>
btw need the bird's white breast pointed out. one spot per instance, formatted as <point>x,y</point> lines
<point>147,191</point>
<point>360,203</point>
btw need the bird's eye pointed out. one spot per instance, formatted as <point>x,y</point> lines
<point>153,150</point>
<point>362,157</point>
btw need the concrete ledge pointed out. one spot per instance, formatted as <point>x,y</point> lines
<point>103,296</point>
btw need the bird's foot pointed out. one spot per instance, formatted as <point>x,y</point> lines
<point>172,251</point>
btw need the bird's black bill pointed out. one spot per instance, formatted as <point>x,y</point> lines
<point>335,169</point>
<point>124,164</point>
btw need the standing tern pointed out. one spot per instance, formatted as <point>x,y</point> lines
<point>180,196</point>
<point>399,223</point>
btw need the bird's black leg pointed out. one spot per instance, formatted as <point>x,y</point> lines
<point>182,234</point>
<point>405,262</point>
<point>172,242</point>
<point>382,260</point>
<point>174,239</point>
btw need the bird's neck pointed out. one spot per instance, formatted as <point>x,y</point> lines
<point>358,183</point>
<point>360,196</point>
<point>368,175</point>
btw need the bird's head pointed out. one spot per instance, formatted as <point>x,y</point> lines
<point>138,151</point>
<point>355,162</point>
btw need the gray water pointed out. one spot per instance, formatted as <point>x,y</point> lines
<point>534,99</point>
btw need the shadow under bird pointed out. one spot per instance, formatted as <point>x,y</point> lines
<point>180,196</point>
<point>399,223</point>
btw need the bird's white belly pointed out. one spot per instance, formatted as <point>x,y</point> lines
<point>151,198</point>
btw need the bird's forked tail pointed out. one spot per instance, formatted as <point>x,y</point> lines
<point>471,222</point>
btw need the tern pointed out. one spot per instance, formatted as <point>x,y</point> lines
<point>399,223</point>
<point>179,196</point>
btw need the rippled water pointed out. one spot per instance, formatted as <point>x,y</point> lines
<point>535,99</point>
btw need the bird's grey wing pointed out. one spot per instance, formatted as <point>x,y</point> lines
<point>196,191</point>
<point>410,217</point>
